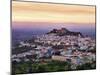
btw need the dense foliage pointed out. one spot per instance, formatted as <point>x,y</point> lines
<point>51,66</point>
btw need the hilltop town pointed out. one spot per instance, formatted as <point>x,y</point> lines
<point>57,45</point>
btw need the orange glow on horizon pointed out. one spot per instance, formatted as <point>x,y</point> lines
<point>53,13</point>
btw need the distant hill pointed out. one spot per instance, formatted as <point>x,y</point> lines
<point>64,31</point>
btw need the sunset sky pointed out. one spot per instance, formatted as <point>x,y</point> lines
<point>31,12</point>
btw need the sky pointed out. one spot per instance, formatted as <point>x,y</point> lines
<point>33,14</point>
